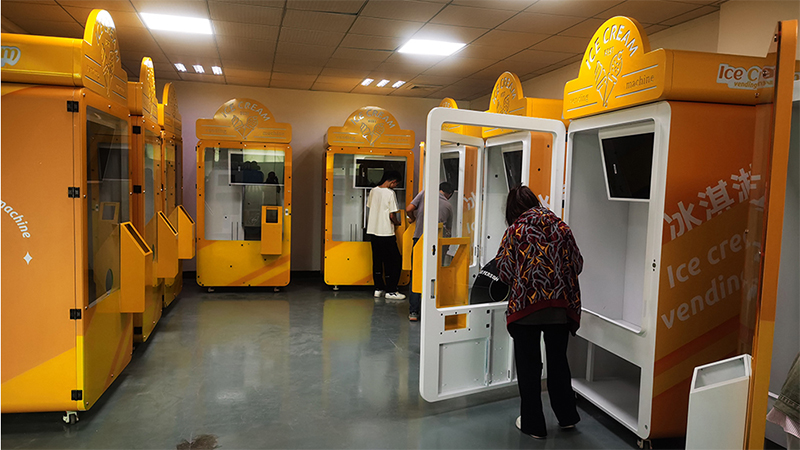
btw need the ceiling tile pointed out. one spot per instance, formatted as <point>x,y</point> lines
<point>333,72</point>
<point>371,90</point>
<point>268,3</point>
<point>49,28</point>
<point>486,52</point>
<point>351,81</point>
<point>175,8</point>
<point>385,27</point>
<point>244,49</point>
<point>539,23</point>
<point>493,72</point>
<point>109,5</point>
<point>566,44</point>
<point>401,92</point>
<point>296,68</point>
<point>257,64</point>
<point>137,56</point>
<point>239,73</point>
<point>245,13</point>
<point>371,42</point>
<point>245,30</point>
<point>518,67</point>
<point>337,63</point>
<point>361,55</point>
<point>413,62</point>
<point>449,33</point>
<point>302,60</point>
<point>332,87</point>
<point>408,10</point>
<point>278,76</point>
<point>541,56</point>
<point>303,50</point>
<point>699,12</point>
<point>260,81</point>
<point>578,8</point>
<point>291,84</point>
<point>434,80</point>
<point>456,66</point>
<point>311,37</point>
<point>512,40</point>
<point>136,39</point>
<point>395,76</point>
<point>311,20</point>
<point>121,19</point>
<point>336,6</point>
<point>509,5</point>
<point>585,29</point>
<point>648,11</point>
<point>471,17</point>
<point>203,78</point>
<point>655,28</point>
<point>25,11</point>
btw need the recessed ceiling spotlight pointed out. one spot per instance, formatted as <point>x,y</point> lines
<point>198,68</point>
<point>180,67</point>
<point>398,84</point>
<point>367,81</point>
<point>425,47</point>
<point>180,24</point>
<point>382,83</point>
<point>217,70</point>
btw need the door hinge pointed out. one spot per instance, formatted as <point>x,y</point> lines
<point>77,395</point>
<point>73,192</point>
<point>73,106</point>
<point>137,189</point>
<point>74,314</point>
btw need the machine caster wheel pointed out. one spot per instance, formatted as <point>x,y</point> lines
<point>210,290</point>
<point>277,289</point>
<point>70,417</point>
<point>336,288</point>
<point>644,444</point>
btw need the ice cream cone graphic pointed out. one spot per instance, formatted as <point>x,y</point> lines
<point>604,81</point>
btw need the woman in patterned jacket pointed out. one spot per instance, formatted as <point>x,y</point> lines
<point>539,260</point>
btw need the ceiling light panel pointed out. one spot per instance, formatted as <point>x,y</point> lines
<point>178,24</point>
<point>180,67</point>
<point>198,68</point>
<point>398,84</point>
<point>217,70</point>
<point>382,83</point>
<point>367,81</point>
<point>426,47</point>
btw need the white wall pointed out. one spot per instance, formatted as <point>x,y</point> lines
<point>310,113</point>
<point>746,27</point>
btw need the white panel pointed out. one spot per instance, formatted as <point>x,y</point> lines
<point>462,366</point>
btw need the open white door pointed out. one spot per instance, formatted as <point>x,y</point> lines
<point>465,347</point>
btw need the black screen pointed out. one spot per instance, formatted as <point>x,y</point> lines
<point>513,163</point>
<point>628,161</point>
<point>369,172</point>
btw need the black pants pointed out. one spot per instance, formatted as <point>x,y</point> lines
<point>386,262</point>
<point>528,357</point>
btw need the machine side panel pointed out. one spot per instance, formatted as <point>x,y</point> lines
<point>38,251</point>
<point>540,168</point>
<point>705,216</point>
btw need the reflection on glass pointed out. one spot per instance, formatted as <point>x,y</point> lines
<point>107,198</point>
<point>237,184</point>
<point>171,181</point>
<point>513,164</point>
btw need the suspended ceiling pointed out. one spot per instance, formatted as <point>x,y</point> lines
<point>333,45</point>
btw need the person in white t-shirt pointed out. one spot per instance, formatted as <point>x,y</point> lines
<point>386,259</point>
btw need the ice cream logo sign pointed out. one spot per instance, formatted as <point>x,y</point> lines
<point>105,34</point>
<point>244,115</point>
<point>749,78</point>
<point>11,55</point>
<point>372,123</point>
<point>617,40</point>
<point>506,89</point>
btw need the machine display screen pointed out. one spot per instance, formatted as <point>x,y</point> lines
<point>513,164</point>
<point>628,161</point>
<point>255,167</point>
<point>369,171</point>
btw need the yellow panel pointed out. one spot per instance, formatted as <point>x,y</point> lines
<point>107,345</point>
<point>92,62</point>
<point>167,254</point>
<point>371,126</point>
<point>271,233</point>
<point>45,387</point>
<point>240,263</point>
<point>186,234</point>
<point>136,275</point>
<point>408,243</point>
<point>168,115</point>
<point>144,323</point>
<point>244,119</point>
<point>173,286</point>
<point>142,99</point>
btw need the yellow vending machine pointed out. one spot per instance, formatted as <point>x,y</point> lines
<point>169,117</point>
<point>244,197</point>
<point>658,184</point>
<point>369,143</point>
<point>74,269</point>
<point>148,191</point>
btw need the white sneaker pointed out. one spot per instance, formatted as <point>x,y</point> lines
<point>378,293</point>
<point>395,296</point>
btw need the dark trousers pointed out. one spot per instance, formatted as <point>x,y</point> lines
<point>415,298</point>
<point>528,357</point>
<point>386,262</point>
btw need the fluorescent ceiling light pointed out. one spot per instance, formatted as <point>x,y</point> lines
<point>398,84</point>
<point>180,24</point>
<point>367,81</point>
<point>382,83</point>
<point>198,68</point>
<point>217,70</point>
<point>423,47</point>
<point>180,67</point>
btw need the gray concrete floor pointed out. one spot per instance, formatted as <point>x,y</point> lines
<point>303,368</point>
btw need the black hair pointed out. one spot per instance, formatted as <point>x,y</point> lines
<point>391,175</point>
<point>520,199</point>
<point>446,187</point>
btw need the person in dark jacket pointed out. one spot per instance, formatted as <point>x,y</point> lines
<point>540,261</point>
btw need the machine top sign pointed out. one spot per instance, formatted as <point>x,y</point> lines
<point>371,126</point>
<point>244,119</point>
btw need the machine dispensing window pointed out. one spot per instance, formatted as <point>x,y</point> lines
<point>628,160</point>
<point>107,188</point>
<point>255,167</point>
<point>450,168</point>
<point>369,171</point>
<point>513,166</point>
